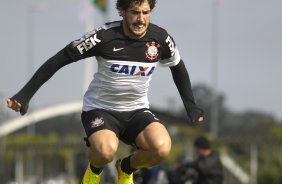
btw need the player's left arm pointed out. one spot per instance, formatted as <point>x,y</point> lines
<point>172,59</point>
<point>182,81</point>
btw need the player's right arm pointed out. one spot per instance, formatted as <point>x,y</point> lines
<point>19,102</point>
<point>171,58</point>
<point>76,50</point>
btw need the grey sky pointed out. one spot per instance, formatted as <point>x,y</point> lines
<point>249,52</point>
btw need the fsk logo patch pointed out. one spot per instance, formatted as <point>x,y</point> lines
<point>87,44</point>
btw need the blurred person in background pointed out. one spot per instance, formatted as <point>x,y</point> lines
<point>207,168</point>
<point>116,106</point>
<point>154,175</point>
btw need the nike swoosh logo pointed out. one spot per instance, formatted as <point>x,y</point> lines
<point>117,49</point>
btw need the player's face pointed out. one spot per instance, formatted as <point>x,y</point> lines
<point>136,20</point>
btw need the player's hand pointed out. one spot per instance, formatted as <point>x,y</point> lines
<point>17,106</point>
<point>196,115</point>
<point>14,104</point>
<point>200,119</point>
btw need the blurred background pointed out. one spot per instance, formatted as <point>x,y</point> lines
<point>231,48</point>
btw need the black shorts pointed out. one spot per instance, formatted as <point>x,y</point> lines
<point>126,125</point>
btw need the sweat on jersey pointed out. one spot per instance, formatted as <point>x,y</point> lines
<point>125,67</point>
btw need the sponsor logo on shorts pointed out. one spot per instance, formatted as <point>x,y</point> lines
<point>97,122</point>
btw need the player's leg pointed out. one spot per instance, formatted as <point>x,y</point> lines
<point>154,145</point>
<point>102,143</point>
<point>103,146</point>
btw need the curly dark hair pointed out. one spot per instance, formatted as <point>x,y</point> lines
<point>123,5</point>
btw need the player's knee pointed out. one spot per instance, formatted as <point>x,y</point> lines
<point>105,153</point>
<point>162,152</point>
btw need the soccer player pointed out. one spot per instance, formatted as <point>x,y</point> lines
<point>115,106</point>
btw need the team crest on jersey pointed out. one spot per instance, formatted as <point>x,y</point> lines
<point>152,51</point>
<point>97,122</point>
